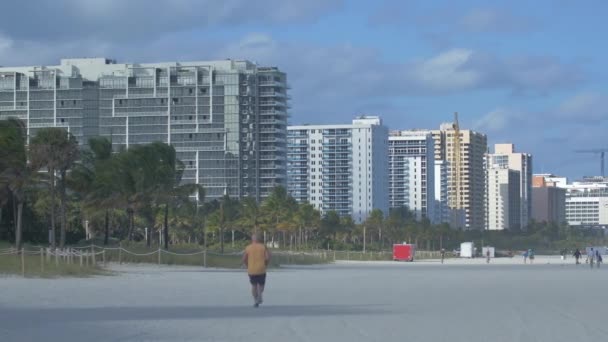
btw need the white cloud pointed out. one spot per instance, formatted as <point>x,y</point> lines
<point>588,107</point>
<point>130,20</point>
<point>446,71</point>
<point>6,43</point>
<point>498,120</point>
<point>493,20</point>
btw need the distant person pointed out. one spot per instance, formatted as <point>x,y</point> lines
<point>488,256</point>
<point>525,255</point>
<point>442,255</point>
<point>531,255</point>
<point>591,256</point>
<point>256,257</point>
<point>598,258</point>
<point>577,256</point>
<point>563,254</point>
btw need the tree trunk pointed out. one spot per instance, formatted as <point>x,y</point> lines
<point>52,183</point>
<point>166,224</point>
<point>222,220</point>
<point>62,204</point>
<point>364,238</point>
<point>131,223</point>
<point>14,205</point>
<point>106,236</point>
<point>18,232</point>
<point>222,239</point>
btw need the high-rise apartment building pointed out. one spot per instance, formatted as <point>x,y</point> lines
<point>473,146</point>
<point>548,200</point>
<point>504,205</point>
<point>226,119</point>
<point>343,168</point>
<point>442,210</point>
<point>412,173</point>
<point>587,202</point>
<point>505,156</point>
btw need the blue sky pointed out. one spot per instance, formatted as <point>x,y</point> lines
<point>528,72</point>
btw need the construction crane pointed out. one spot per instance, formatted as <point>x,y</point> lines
<point>601,152</point>
<point>456,161</point>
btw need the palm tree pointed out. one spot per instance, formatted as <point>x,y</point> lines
<point>330,225</point>
<point>176,194</point>
<point>92,179</point>
<point>375,221</point>
<point>278,207</point>
<point>15,175</point>
<point>133,174</point>
<point>250,215</point>
<point>56,150</point>
<point>160,182</point>
<point>308,219</point>
<point>347,225</point>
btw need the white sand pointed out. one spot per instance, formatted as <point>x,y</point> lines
<point>463,300</point>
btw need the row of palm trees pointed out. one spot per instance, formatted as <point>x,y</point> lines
<point>116,194</point>
<point>52,150</point>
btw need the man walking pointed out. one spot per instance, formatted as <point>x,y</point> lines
<point>577,255</point>
<point>256,257</point>
<point>591,256</point>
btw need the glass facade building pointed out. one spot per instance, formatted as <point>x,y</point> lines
<point>226,119</point>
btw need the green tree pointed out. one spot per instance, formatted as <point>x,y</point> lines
<point>224,216</point>
<point>330,225</point>
<point>55,150</point>
<point>92,181</point>
<point>250,215</point>
<point>307,219</point>
<point>374,224</point>
<point>277,208</point>
<point>15,175</point>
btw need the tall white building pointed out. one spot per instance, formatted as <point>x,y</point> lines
<point>340,167</point>
<point>587,202</point>
<point>473,148</point>
<point>412,173</point>
<point>503,197</point>
<point>442,210</point>
<point>505,156</point>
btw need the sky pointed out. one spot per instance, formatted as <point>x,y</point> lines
<point>532,73</point>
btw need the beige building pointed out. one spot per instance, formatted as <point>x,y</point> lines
<point>473,147</point>
<point>505,157</point>
<point>503,207</point>
<point>548,200</point>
